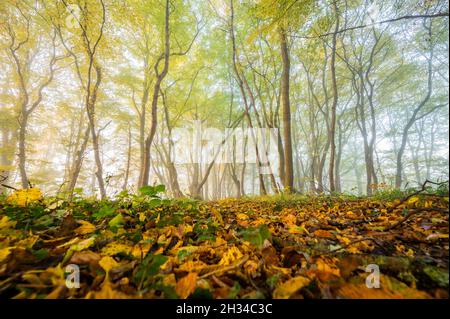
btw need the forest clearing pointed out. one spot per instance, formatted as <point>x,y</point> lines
<point>224,149</point>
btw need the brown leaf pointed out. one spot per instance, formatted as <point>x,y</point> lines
<point>67,226</point>
<point>86,257</point>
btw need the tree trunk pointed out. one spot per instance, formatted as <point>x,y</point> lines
<point>8,146</point>
<point>77,164</point>
<point>413,118</point>
<point>288,181</point>
<point>337,168</point>
<point>145,169</point>
<point>90,103</point>
<point>334,105</point>
<point>127,168</point>
<point>22,151</point>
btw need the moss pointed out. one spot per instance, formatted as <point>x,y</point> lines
<point>407,277</point>
<point>437,275</point>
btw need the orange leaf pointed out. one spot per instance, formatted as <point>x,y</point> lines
<point>288,288</point>
<point>186,285</point>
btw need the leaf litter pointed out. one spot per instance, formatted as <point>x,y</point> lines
<point>142,246</point>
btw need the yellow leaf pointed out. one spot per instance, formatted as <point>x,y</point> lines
<point>191,265</point>
<point>297,230</point>
<point>5,223</point>
<point>187,229</point>
<point>71,242</point>
<point>108,263</point>
<point>242,216</point>
<point>351,214</point>
<point>23,197</point>
<point>413,200</point>
<point>282,270</point>
<point>4,253</point>
<point>231,256</point>
<point>84,244</point>
<point>289,219</point>
<point>186,285</point>
<point>344,240</point>
<point>169,280</point>
<point>324,267</point>
<point>217,216</point>
<point>114,248</point>
<point>106,292</point>
<point>288,288</point>
<point>140,250</point>
<point>85,228</point>
<point>353,250</point>
<point>29,241</point>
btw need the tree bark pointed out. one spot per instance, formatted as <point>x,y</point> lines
<point>414,116</point>
<point>145,169</point>
<point>288,181</point>
<point>334,105</point>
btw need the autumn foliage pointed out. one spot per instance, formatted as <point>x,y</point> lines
<point>296,246</point>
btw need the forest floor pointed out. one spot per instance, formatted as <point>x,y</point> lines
<point>142,246</point>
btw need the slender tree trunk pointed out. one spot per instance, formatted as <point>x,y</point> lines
<point>90,103</point>
<point>142,118</point>
<point>413,118</point>
<point>77,163</point>
<point>173,174</point>
<point>429,154</point>
<point>288,181</point>
<point>127,168</point>
<point>281,167</point>
<point>8,146</point>
<point>334,105</point>
<point>241,81</point>
<point>22,150</point>
<point>145,170</point>
<point>337,167</point>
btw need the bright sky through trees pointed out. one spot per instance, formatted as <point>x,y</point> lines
<point>359,93</point>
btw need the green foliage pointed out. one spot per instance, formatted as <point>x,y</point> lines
<point>175,218</point>
<point>234,291</point>
<point>152,191</point>
<point>201,293</point>
<point>256,236</point>
<point>205,230</point>
<point>148,268</point>
<point>40,254</point>
<point>168,291</point>
<point>116,222</point>
<point>104,211</point>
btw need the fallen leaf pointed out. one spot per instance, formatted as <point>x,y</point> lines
<point>186,285</point>
<point>288,288</point>
<point>85,228</point>
<point>108,263</point>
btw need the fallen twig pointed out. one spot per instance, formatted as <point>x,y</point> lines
<point>415,212</point>
<point>236,265</point>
